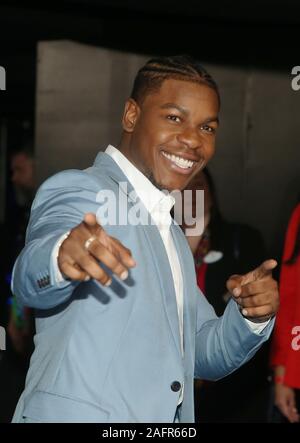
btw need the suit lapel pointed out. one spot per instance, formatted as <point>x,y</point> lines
<point>165,277</point>
<point>187,269</point>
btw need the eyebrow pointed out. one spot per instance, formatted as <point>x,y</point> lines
<point>173,105</point>
<point>212,119</point>
<point>184,111</point>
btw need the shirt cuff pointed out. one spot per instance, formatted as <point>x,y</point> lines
<point>58,277</point>
<point>257,328</point>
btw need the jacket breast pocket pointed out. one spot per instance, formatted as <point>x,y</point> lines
<point>49,407</point>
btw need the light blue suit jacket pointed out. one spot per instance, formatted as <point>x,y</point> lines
<point>111,354</point>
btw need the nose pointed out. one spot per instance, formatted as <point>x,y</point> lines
<point>190,137</point>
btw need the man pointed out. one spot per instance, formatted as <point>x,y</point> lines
<point>121,333</point>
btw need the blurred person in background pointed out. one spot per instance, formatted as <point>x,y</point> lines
<point>285,350</point>
<point>223,249</point>
<point>23,175</point>
<point>19,322</point>
<point>24,180</point>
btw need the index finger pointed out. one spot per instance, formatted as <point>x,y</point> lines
<point>264,269</point>
<point>260,272</point>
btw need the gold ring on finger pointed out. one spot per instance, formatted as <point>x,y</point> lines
<point>89,241</point>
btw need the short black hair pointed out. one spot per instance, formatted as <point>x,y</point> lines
<point>179,67</point>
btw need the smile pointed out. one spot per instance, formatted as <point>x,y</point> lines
<point>179,161</point>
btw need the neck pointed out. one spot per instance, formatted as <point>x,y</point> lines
<point>124,145</point>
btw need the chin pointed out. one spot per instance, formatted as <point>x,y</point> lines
<point>173,186</point>
<point>169,183</point>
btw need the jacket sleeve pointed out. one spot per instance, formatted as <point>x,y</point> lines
<point>59,206</point>
<point>224,344</point>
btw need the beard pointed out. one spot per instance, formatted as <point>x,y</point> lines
<point>160,187</point>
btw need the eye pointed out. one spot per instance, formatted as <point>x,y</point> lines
<point>173,118</point>
<point>208,129</point>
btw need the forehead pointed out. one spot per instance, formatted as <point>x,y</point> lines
<point>187,94</point>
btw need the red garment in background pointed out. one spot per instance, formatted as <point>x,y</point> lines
<point>288,317</point>
<point>201,273</point>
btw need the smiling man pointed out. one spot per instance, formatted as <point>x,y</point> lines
<point>121,333</point>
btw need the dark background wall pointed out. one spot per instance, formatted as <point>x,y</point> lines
<point>250,47</point>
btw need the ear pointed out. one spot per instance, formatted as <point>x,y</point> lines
<point>130,116</point>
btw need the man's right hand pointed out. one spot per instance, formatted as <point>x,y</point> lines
<point>79,259</point>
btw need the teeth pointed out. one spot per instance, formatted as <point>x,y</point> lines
<point>179,161</point>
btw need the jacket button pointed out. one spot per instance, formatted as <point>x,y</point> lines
<point>176,386</point>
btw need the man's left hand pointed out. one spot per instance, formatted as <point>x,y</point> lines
<point>256,292</point>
